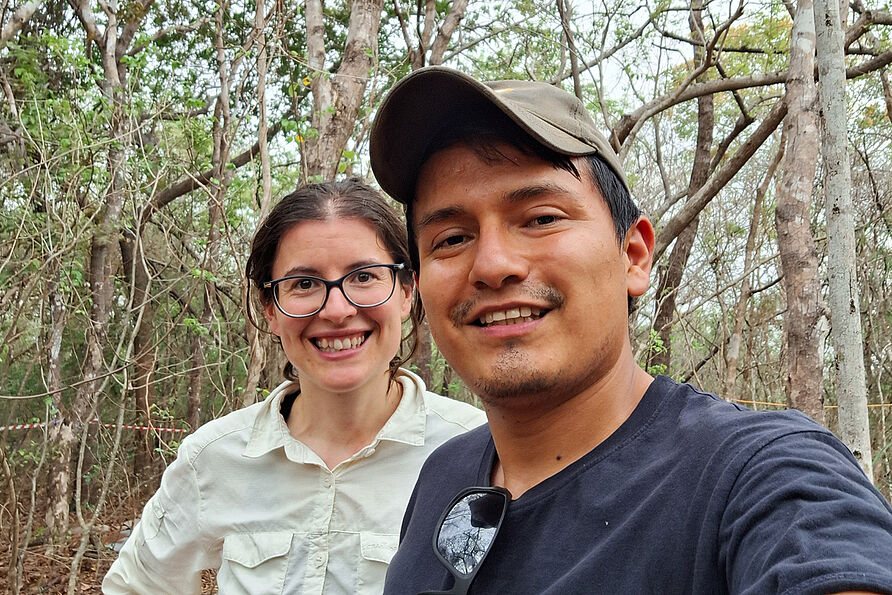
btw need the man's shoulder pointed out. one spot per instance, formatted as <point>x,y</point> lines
<point>459,456</point>
<point>712,417</point>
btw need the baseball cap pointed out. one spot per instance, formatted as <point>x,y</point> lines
<point>420,105</point>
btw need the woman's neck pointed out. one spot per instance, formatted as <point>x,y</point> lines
<point>335,425</point>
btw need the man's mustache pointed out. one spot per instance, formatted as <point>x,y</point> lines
<point>539,294</point>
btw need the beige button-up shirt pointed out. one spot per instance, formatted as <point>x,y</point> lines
<point>246,497</point>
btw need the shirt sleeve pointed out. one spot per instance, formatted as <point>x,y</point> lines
<point>803,518</point>
<point>166,551</point>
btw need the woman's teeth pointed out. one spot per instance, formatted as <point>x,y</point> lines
<point>332,345</point>
<point>510,316</point>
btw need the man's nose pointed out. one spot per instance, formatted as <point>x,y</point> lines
<point>498,260</point>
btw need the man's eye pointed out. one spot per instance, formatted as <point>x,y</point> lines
<point>453,240</point>
<point>544,220</point>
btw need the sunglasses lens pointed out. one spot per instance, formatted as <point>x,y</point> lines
<point>469,530</point>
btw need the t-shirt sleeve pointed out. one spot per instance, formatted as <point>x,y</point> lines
<point>803,518</point>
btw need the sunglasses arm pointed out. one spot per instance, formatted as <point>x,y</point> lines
<point>459,587</point>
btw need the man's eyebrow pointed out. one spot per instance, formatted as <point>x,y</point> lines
<point>513,196</point>
<point>438,216</point>
<point>534,191</point>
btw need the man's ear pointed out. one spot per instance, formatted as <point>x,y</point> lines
<point>638,247</point>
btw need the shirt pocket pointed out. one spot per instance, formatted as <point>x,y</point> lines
<point>376,550</point>
<point>152,517</point>
<point>254,563</point>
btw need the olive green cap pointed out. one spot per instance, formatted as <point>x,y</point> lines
<point>421,104</point>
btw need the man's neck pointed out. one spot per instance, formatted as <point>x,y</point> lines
<point>534,443</point>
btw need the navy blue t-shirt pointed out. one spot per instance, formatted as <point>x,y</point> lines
<point>692,494</point>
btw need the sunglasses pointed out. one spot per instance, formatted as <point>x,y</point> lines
<point>466,532</point>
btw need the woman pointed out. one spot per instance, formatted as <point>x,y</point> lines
<point>305,492</point>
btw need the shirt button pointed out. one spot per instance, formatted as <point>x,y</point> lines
<point>326,481</point>
<point>320,560</point>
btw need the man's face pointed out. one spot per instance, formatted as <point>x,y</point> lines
<point>521,274</point>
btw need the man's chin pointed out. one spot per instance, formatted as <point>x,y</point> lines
<point>516,383</point>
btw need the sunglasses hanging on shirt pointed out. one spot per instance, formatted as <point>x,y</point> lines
<point>466,532</point>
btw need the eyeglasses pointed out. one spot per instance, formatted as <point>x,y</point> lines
<point>300,296</point>
<point>466,533</point>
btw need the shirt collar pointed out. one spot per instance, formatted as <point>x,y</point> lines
<point>269,432</point>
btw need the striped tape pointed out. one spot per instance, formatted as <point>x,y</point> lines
<point>94,421</point>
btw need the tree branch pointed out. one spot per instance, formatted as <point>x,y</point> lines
<point>719,179</point>
<point>18,20</point>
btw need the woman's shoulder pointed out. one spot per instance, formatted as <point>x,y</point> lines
<point>442,409</point>
<point>235,426</point>
<point>454,411</point>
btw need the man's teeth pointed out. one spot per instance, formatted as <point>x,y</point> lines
<point>332,345</point>
<point>511,316</point>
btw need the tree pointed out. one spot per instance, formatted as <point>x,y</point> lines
<point>799,257</point>
<point>844,293</point>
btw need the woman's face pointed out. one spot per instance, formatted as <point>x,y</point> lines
<point>342,348</point>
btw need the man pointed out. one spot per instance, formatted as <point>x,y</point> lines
<point>528,251</point>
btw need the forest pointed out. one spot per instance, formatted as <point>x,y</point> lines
<point>141,141</point>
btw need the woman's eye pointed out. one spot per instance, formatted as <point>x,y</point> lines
<point>363,277</point>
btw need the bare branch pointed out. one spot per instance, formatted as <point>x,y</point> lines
<point>453,18</point>
<point>165,32</point>
<point>719,179</point>
<point>18,20</point>
<point>191,182</point>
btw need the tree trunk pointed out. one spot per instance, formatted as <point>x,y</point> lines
<point>803,383</point>
<point>142,388</point>
<point>424,354</point>
<point>217,194</point>
<point>257,341</point>
<point>337,97</point>
<point>854,428</point>
<point>671,273</point>
<point>732,354</point>
<point>59,474</point>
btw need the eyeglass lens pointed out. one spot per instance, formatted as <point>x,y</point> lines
<point>368,286</point>
<point>469,530</point>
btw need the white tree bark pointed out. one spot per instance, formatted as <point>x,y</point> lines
<point>804,381</point>
<point>845,312</point>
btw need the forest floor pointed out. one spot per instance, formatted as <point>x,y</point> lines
<point>45,573</point>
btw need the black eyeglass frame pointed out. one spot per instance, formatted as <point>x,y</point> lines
<point>339,283</point>
<point>462,582</point>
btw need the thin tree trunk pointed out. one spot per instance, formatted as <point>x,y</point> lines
<point>337,97</point>
<point>217,194</point>
<point>424,354</point>
<point>57,512</point>
<point>566,13</point>
<point>142,392</point>
<point>672,273</point>
<point>732,354</point>
<point>257,342</point>
<point>803,382</point>
<point>854,428</point>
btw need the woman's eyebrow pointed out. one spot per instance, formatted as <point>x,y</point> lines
<point>305,270</point>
